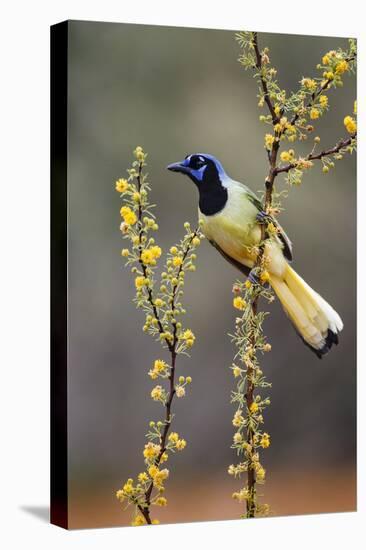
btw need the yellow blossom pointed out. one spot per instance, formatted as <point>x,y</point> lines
<point>268,140</point>
<point>173,437</point>
<point>161,501</point>
<point>236,371</point>
<point>160,365</point>
<point>174,250</point>
<point>137,521</point>
<point>265,441</point>
<point>120,495</point>
<point>247,284</point>
<point>238,419</point>
<point>159,302</point>
<point>242,495</point>
<point>325,60</point>
<point>261,474</point>
<point>314,113</point>
<point>136,197</point>
<point>350,124</point>
<point>121,185</point>
<point>128,215</point>
<point>143,477</point>
<point>181,444</point>
<point>341,67</point>
<point>147,257</point>
<point>125,252</point>
<point>196,241</point>
<point>180,391</point>
<point>151,450</point>
<point>264,277</point>
<point>158,476</point>
<point>164,457</point>
<point>238,438</point>
<point>309,84</point>
<point>267,347</point>
<point>140,282</point>
<point>128,487</point>
<point>239,303</point>
<point>285,156</point>
<point>177,261</point>
<point>153,471</point>
<point>254,407</point>
<point>323,100</point>
<point>157,393</point>
<point>189,338</point>
<point>155,251</point>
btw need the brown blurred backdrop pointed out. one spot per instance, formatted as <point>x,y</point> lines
<point>177,91</point>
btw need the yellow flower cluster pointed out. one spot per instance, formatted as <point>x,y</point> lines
<point>287,156</point>
<point>128,215</point>
<point>350,124</point>
<point>238,419</point>
<point>309,83</point>
<point>150,255</point>
<point>314,113</point>
<point>242,495</point>
<point>138,520</point>
<point>323,100</point>
<point>151,451</point>
<point>188,338</point>
<point>268,141</point>
<point>237,371</point>
<point>160,368</point>
<point>141,281</point>
<point>158,393</point>
<point>265,441</point>
<point>158,476</point>
<point>239,303</point>
<point>176,442</point>
<point>121,185</point>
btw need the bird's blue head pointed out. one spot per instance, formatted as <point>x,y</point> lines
<point>209,177</point>
<point>200,168</point>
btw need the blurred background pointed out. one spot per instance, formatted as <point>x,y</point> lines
<point>176,91</point>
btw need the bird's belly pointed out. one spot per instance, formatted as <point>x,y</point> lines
<point>236,240</point>
<point>240,241</point>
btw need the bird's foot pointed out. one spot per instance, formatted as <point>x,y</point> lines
<point>253,277</point>
<point>256,280</point>
<point>263,217</point>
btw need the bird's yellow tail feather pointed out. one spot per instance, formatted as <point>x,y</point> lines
<point>314,319</point>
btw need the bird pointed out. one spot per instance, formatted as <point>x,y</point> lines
<point>231,215</point>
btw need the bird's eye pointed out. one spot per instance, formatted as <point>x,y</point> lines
<point>197,162</point>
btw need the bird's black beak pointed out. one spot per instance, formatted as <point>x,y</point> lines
<point>178,167</point>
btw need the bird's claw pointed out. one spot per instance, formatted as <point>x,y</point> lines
<point>255,280</point>
<point>263,217</point>
<point>253,277</point>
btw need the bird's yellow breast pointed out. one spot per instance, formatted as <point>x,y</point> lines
<point>236,231</point>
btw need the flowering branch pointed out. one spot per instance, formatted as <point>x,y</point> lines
<point>162,309</point>
<point>340,147</point>
<point>309,102</point>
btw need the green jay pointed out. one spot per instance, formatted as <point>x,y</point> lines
<point>231,217</point>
